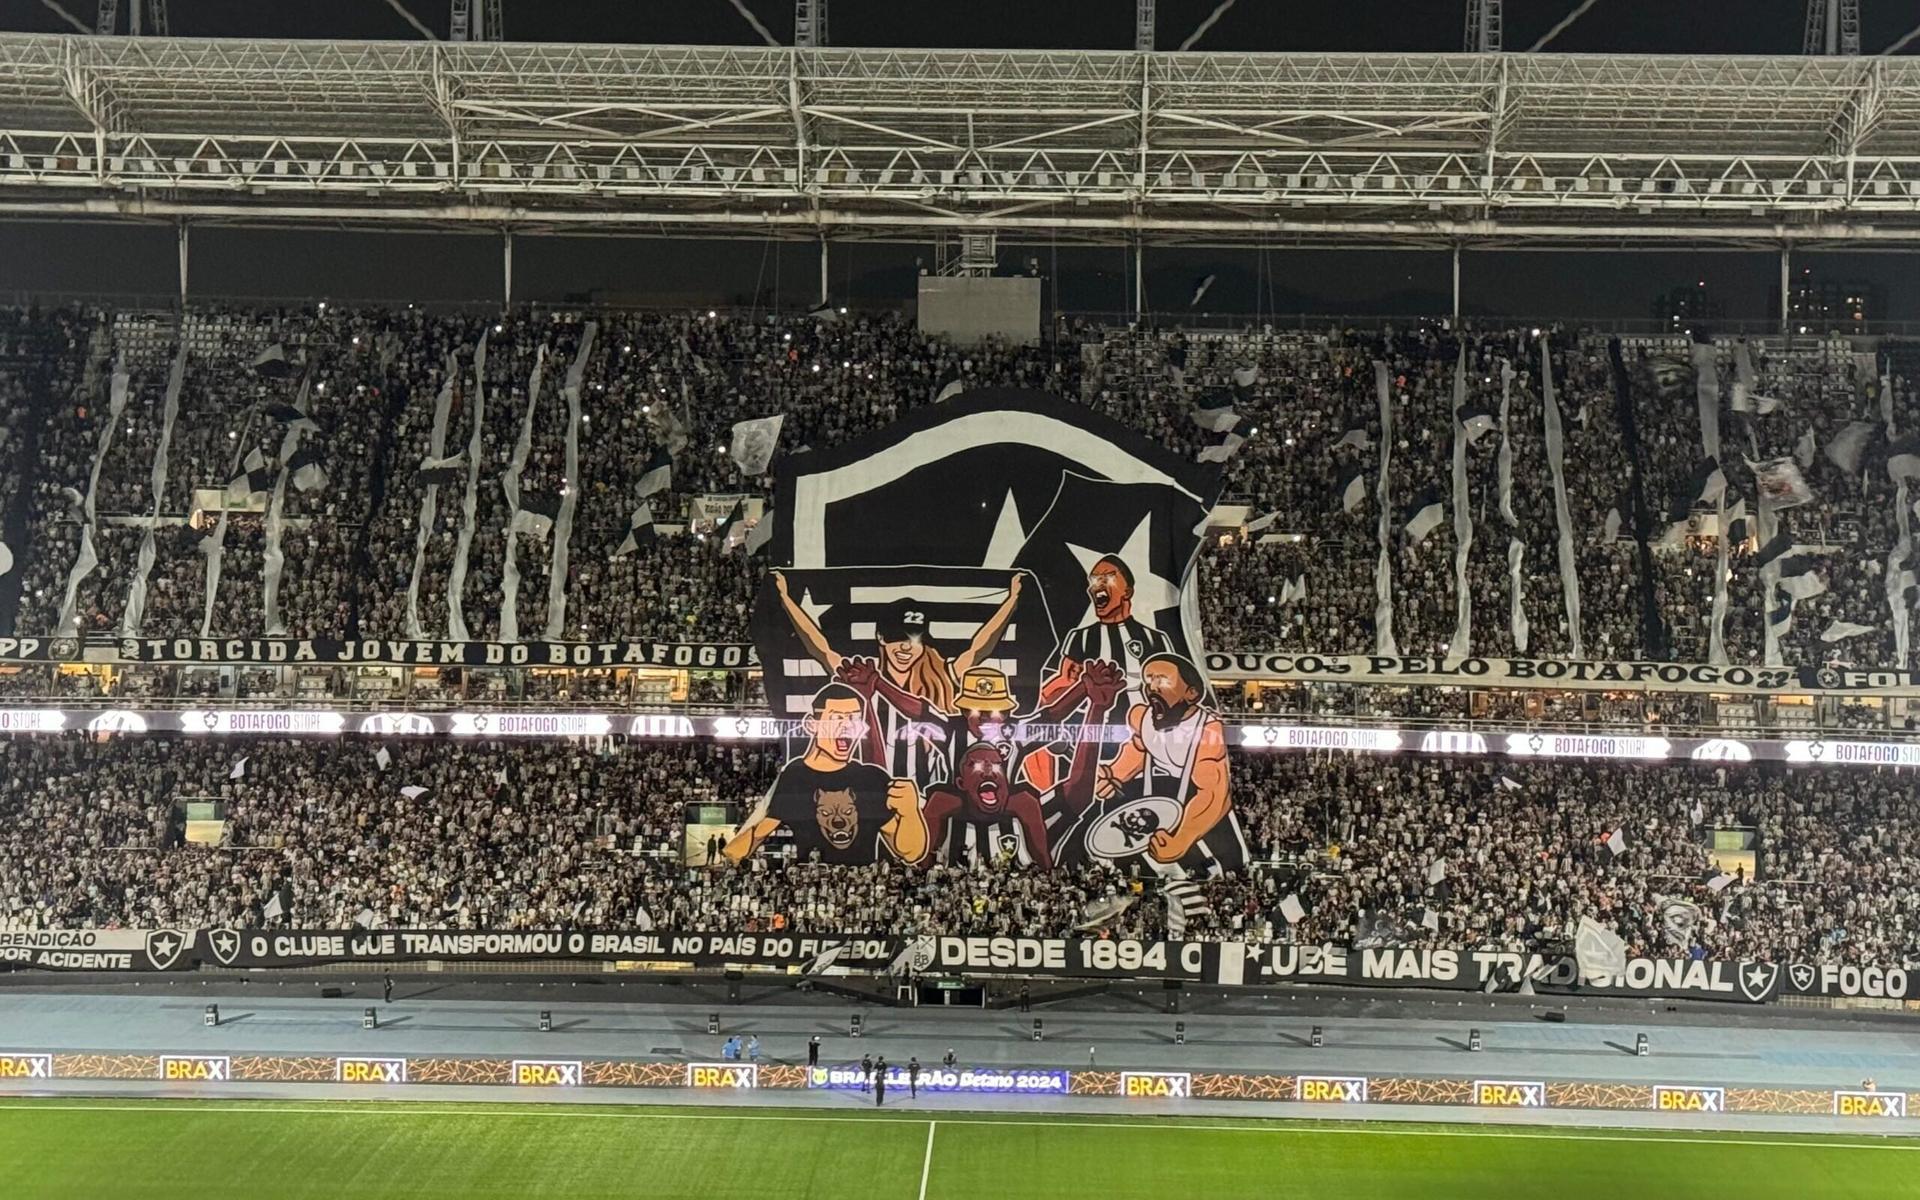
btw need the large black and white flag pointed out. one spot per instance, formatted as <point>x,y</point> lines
<point>306,470</point>
<point>1476,420</point>
<point>1424,517</point>
<point>1352,489</point>
<point>658,475</point>
<point>537,513</point>
<point>255,477</point>
<point>1706,485</point>
<point>1903,458</point>
<point>1213,411</point>
<point>273,362</point>
<point>444,472</point>
<point>639,530</point>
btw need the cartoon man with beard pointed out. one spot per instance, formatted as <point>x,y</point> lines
<point>1178,753</point>
<point>836,808</point>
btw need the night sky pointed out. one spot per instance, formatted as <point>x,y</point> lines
<point>55,258</point>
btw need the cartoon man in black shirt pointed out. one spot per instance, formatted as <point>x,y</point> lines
<point>839,809</point>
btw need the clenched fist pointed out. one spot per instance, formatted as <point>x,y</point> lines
<point>903,797</point>
<point>1104,681</point>
<point>860,674</point>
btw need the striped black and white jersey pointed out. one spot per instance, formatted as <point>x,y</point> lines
<point>912,747</point>
<point>1126,644</point>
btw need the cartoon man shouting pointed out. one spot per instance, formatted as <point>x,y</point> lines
<point>835,808</point>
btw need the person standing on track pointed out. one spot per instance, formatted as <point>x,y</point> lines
<point>866,1071</point>
<point>813,1051</point>
<point>386,987</point>
<point>913,1078</point>
<point>880,1083</point>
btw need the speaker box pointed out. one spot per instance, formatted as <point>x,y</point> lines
<point>331,993</point>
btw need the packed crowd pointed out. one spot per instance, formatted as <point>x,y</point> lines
<point>1410,850</point>
<point>439,435</point>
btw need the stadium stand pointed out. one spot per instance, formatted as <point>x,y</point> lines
<point>1378,850</point>
<point>374,551</point>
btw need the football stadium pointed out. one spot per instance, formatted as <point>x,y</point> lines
<point>1069,601</point>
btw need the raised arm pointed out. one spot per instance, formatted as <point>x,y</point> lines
<point>906,832</point>
<point>989,632</point>
<point>810,635</point>
<point>1208,804</point>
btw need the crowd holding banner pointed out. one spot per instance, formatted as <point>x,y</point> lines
<point>1227,964</point>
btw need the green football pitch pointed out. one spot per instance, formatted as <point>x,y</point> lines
<point>210,1149</point>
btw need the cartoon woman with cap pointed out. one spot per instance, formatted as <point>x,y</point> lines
<point>908,660</point>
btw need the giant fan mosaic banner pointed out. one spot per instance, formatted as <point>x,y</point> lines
<point>984,622</point>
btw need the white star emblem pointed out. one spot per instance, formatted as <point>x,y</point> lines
<point>1757,978</point>
<point>163,946</point>
<point>1008,537</point>
<point>1151,593</point>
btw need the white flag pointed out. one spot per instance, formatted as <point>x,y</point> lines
<point>1840,631</point>
<point>1617,842</point>
<point>642,919</point>
<point>1292,909</point>
<point>1719,882</point>
<point>413,791</point>
<point>274,908</point>
<point>754,442</point>
<point>1611,532</point>
<point>953,388</point>
<point>6,559</point>
<point>1437,870</point>
<point>1599,951</point>
<point>382,757</point>
<point>239,770</point>
<point>1258,525</point>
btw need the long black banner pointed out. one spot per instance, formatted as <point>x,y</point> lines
<point>1219,963</point>
<point>716,656</point>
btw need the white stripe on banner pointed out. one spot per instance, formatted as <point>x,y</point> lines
<point>1706,376</point>
<point>510,563</point>
<point>945,631</point>
<point>1517,614</point>
<point>1896,567</point>
<point>85,558</point>
<point>1462,644</point>
<point>429,503</point>
<point>1517,623</point>
<point>1506,447</point>
<point>945,593</point>
<point>1769,520</point>
<point>1383,642</point>
<point>1557,467</point>
<point>457,578</point>
<point>563,526</point>
<point>137,594</point>
<point>215,548</point>
<point>274,562</point>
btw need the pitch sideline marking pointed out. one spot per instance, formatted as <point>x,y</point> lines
<point>1383,1129</point>
<point>926,1164</point>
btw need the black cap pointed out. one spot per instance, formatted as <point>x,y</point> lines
<point>903,619</point>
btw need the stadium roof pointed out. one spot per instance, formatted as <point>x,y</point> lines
<point>907,145</point>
